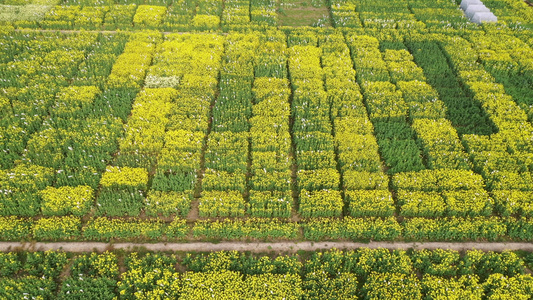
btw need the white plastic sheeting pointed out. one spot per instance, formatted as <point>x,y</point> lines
<point>466,3</point>
<point>477,12</point>
<point>481,17</point>
<point>472,9</point>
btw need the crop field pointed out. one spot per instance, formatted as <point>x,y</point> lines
<point>334,274</point>
<point>388,123</point>
<point>265,121</point>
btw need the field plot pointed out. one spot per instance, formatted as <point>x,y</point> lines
<point>365,274</point>
<point>214,120</point>
<point>304,13</point>
<point>263,120</point>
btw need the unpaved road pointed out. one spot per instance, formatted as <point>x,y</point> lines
<point>258,247</point>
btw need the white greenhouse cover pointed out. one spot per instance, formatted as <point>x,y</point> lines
<point>466,3</point>
<point>480,17</point>
<point>472,9</point>
<point>477,12</point>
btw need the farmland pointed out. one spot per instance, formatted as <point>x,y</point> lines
<point>415,127</point>
<point>260,120</point>
<point>334,274</point>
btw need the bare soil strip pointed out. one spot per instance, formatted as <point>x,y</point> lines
<point>257,247</point>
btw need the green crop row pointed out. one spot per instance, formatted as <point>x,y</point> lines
<point>71,228</point>
<point>270,137</point>
<point>387,108</point>
<point>317,178</point>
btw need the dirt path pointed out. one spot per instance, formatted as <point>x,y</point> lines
<point>258,247</point>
